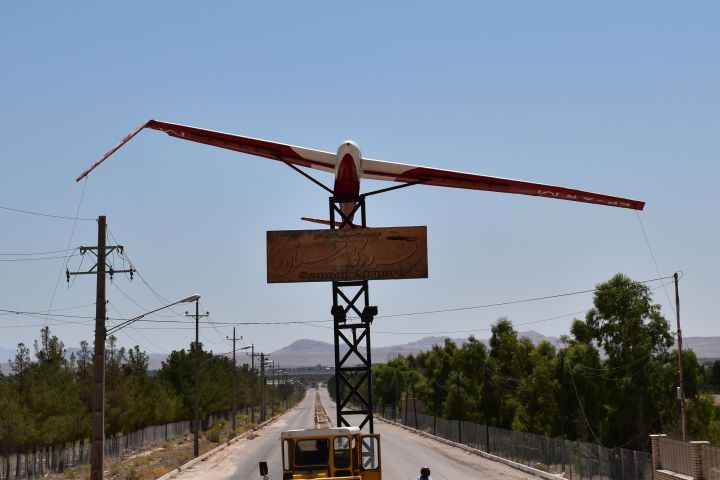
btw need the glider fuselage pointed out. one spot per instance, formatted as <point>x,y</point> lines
<point>348,171</point>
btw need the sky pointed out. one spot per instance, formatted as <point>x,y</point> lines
<point>612,97</point>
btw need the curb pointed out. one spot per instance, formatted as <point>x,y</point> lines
<point>206,455</point>
<point>489,456</point>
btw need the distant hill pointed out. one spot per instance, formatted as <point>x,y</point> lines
<point>312,352</point>
<point>704,347</point>
<point>309,353</point>
<point>6,354</point>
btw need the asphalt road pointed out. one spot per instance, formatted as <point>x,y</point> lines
<point>403,453</point>
<point>239,461</point>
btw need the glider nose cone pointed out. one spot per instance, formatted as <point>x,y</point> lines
<point>348,146</point>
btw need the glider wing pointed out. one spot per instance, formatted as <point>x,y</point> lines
<point>300,156</point>
<point>398,172</point>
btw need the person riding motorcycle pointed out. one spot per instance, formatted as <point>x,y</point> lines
<point>424,473</point>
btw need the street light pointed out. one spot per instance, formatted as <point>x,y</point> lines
<point>110,331</point>
<point>97,450</point>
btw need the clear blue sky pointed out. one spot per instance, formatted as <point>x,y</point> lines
<point>613,97</point>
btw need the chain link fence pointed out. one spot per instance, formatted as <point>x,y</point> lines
<point>52,459</point>
<point>575,460</point>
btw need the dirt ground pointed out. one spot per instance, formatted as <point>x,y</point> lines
<point>157,459</point>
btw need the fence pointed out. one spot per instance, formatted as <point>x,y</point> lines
<point>675,455</point>
<point>710,462</point>
<point>576,460</point>
<point>57,459</point>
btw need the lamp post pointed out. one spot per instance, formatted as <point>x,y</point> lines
<point>98,418</point>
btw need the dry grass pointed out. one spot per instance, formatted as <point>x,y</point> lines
<point>158,459</point>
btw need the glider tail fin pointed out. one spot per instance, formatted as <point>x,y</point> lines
<point>329,222</point>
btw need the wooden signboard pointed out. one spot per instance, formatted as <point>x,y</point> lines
<point>346,254</point>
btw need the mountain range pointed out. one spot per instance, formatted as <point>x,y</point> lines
<point>306,352</point>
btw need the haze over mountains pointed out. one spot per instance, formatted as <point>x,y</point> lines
<point>306,352</point>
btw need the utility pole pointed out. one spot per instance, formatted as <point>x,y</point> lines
<point>263,360</point>
<point>487,415</point>
<point>234,398</point>
<point>681,360</point>
<point>252,392</point>
<point>196,422</point>
<point>276,380</point>
<point>286,391</point>
<point>414,403</point>
<point>262,387</point>
<point>405,405</point>
<point>98,391</point>
<point>459,409</point>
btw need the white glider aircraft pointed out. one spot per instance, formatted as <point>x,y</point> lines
<point>350,167</point>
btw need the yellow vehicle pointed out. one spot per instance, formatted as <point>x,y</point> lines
<point>328,453</point>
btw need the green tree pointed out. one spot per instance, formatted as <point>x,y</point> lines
<point>537,393</point>
<point>636,337</point>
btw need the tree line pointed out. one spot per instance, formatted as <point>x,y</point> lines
<point>612,381</point>
<point>46,398</point>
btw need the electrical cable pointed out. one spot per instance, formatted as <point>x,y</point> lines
<point>159,297</point>
<point>512,302</point>
<point>29,212</point>
<point>32,253</point>
<point>581,407</point>
<point>72,233</point>
<point>132,328</point>
<point>35,259</point>
<point>652,255</point>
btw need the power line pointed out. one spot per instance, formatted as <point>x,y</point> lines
<point>35,259</point>
<point>132,328</point>
<point>29,212</point>
<point>581,407</point>
<point>67,247</point>
<point>511,302</point>
<point>652,255</point>
<point>32,253</point>
<point>312,323</point>
<point>159,297</point>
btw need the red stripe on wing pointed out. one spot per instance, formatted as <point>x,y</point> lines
<point>448,178</point>
<point>303,157</point>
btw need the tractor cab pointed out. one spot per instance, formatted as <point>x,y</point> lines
<point>327,453</point>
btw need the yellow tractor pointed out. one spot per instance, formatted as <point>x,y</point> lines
<point>329,453</point>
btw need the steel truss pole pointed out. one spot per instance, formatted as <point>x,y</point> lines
<point>353,368</point>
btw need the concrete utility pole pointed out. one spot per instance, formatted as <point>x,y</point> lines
<point>459,409</point>
<point>98,396</point>
<point>196,421</point>
<point>683,413</point>
<point>275,369</point>
<point>98,390</point>
<point>262,387</point>
<point>196,440</point>
<point>252,385</point>
<point>234,399</point>
<point>285,391</point>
